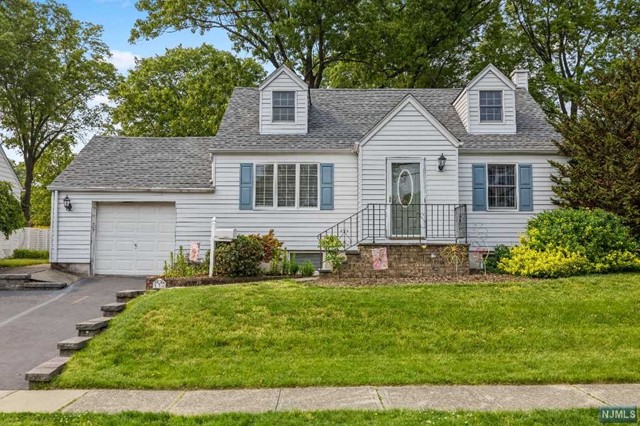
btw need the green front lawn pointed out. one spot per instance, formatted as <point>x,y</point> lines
<point>14,263</point>
<point>275,334</point>
<point>394,417</point>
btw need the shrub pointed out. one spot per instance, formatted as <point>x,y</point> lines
<point>307,269</point>
<point>270,245</point>
<point>239,258</point>
<point>179,266</point>
<point>566,242</point>
<point>332,246</point>
<point>30,254</point>
<point>499,252</point>
<point>289,266</point>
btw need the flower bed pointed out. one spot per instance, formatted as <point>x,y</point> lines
<point>200,281</point>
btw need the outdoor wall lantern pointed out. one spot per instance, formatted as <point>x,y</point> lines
<point>67,203</point>
<point>441,162</point>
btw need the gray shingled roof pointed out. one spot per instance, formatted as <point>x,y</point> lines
<point>338,118</point>
<point>115,163</point>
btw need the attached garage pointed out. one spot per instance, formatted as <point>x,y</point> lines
<point>133,238</point>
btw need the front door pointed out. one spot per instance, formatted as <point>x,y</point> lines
<point>406,196</point>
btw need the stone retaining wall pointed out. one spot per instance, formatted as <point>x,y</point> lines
<point>406,260</point>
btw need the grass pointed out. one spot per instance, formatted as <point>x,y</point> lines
<point>393,417</point>
<point>577,330</point>
<point>14,263</point>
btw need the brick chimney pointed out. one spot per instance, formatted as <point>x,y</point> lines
<point>521,79</point>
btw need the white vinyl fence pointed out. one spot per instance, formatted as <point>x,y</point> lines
<point>25,238</point>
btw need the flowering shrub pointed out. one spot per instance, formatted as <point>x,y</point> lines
<point>567,242</point>
<point>270,245</point>
<point>240,257</point>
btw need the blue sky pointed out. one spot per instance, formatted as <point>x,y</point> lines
<point>117,17</point>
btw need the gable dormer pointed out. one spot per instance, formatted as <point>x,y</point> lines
<point>284,103</point>
<point>488,103</point>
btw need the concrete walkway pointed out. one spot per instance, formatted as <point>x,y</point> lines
<point>360,398</point>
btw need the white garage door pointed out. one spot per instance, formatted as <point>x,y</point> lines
<point>133,239</point>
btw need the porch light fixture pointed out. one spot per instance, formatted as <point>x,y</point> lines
<point>441,162</point>
<point>67,203</point>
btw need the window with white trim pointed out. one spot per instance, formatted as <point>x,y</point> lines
<point>289,184</point>
<point>490,106</point>
<point>264,185</point>
<point>308,192</point>
<point>501,186</point>
<point>284,107</point>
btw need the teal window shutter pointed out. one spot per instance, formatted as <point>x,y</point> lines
<point>525,183</point>
<point>246,186</point>
<point>326,186</point>
<point>479,187</point>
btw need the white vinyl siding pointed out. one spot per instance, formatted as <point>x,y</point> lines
<point>505,226</point>
<point>462,108</point>
<point>8,175</point>
<point>298,228</point>
<point>491,82</point>
<point>283,83</point>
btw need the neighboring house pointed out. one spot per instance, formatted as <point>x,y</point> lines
<point>7,173</point>
<point>407,165</point>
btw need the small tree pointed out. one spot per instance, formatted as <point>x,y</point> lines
<point>332,246</point>
<point>11,217</point>
<point>603,145</point>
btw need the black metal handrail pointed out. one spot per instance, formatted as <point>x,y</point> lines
<point>426,222</point>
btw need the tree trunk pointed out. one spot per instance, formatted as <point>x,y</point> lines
<point>28,182</point>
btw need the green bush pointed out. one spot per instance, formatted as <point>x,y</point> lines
<point>30,254</point>
<point>271,245</point>
<point>239,258</point>
<point>179,266</point>
<point>332,246</point>
<point>499,252</point>
<point>307,269</point>
<point>567,242</point>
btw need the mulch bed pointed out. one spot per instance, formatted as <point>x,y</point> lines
<point>474,278</point>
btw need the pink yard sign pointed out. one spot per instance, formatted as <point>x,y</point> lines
<point>379,256</point>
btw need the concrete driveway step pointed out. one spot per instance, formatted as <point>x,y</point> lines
<point>47,370</point>
<point>112,309</point>
<point>124,296</point>
<point>44,285</point>
<point>92,327</point>
<point>15,277</point>
<point>69,346</point>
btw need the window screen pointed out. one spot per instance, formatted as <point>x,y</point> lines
<point>264,185</point>
<point>490,106</point>
<point>501,185</point>
<point>284,106</point>
<point>308,185</point>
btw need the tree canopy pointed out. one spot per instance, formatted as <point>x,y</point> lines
<point>603,144</point>
<point>51,69</point>
<point>181,93</point>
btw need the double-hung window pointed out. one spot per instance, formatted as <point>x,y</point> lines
<point>284,107</point>
<point>501,186</point>
<point>490,106</point>
<point>286,185</point>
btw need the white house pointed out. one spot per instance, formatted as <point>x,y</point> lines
<point>7,174</point>
<point>405,165</point>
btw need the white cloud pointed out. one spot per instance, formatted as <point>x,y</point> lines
<point>122,60</point>
<point>121,3</point>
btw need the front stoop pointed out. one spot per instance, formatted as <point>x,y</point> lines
<point>46,371</point>
<point>405,261</point>
<point>92,327</point>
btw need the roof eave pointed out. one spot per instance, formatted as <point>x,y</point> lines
<point>125,189</point>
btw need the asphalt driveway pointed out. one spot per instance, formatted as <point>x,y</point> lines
<point>33,322</point>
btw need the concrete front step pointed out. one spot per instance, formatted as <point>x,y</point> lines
<point>44,285</point>
<point>69,346</point>
<point>92,327</point>
<point>112,309</point>
<point>13,281</point>
<point>123,296</point>
<point>46,371</point>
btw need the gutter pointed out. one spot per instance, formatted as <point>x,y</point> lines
<point>110,189</point>
<point>283,151</point>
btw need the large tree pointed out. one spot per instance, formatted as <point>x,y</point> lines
<point>51,69</point>
<point>11,218</point>
<point>181,93</point>
<point>305,34</point>
<point>603,144</point>
<point>571,38</point>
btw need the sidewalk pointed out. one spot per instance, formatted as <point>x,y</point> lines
<point>483,397</point>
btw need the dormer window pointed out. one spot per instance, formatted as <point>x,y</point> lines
<point>284,107</point>
<point>490,106</point>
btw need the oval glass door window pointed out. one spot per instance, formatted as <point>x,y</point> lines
<point>405,187</point>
